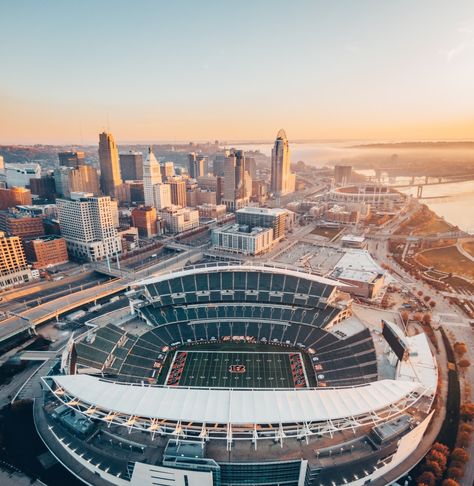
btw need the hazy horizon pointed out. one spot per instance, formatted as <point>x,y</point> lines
<point>210,70</point>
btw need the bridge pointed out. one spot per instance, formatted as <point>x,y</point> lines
<point>439,181</point>
<point>29,319</point>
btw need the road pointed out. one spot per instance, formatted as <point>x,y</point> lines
<point>450,316</point>
<point>44,312</point>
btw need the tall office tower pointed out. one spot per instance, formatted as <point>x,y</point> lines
<point>237,181</point>
<point>167,169</point>
<point>151,176</point>
<point>83,178</point>
<point>342,174</point>
<point>71,159</point>
<point>282,181</point>
<point>251,167</point>
<point>162,195</point>
<point>178,192</point>
<point>87,224</point>
<point>218,165</point>
<point>131,166</point>
<point>196,165</point>
<point>13,267</point>
<point>44,187</point>
<point>109,164</point>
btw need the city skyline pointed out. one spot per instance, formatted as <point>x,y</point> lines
<point>176,72</point>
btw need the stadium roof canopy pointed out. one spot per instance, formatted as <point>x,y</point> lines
<point>243,267</point>
<point>235,406</point>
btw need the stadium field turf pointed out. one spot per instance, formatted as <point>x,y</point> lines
<point>236,369</point>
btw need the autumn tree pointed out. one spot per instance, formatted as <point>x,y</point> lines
<point>464,363</point>
<point>426,478</point>
<point>460,455</point>
<point>467,411</point>
<point>449,482</point>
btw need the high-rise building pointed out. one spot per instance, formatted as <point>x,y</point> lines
<point>71,159</point>
<point>282,180</point>
<point>10,198</point>
<point>274,218</point>
<point>87,224</point>
<point>109,164</point>
<point>46,251</point>
<point>44,187</point>
<point>342,174</point>
<point>178,191</point>
<point>131,166</point>
<point>218,165</point>
<point>237,183</point>
<point>167,169</point>
<point>151,176</point>
<point>144,219</point>
<point>83,178</point>
<point>162,195</point>
<point>13,267</point>
<point>196,165</point>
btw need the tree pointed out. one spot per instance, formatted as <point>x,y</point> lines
<point>464,439</point>
<point>449,482</point>
<point>467,411</point>
<point>427,478</point>
<point>460,348</point>
<point>438,457</point>
<point>418,317</point>
<point>464,363</point>
<point>464,427</point>
<point>438,446</point>
<point>405,316</point>
<point>455,472</point>
<point>420,293</point>
<point>427,319</point>
<point>435,468</point>
<point>426,298</point>
<point>432,304</point>
<point>460,455</point>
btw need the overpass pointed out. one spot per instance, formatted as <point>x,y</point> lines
<point>29,319</point>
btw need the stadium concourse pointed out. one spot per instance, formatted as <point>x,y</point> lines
<point>247,374</point>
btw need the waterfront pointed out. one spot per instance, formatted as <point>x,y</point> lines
<point>454,202</point>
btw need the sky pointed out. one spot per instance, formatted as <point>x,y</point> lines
<point>156,70</point>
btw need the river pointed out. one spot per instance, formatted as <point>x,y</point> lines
<point>454,202</point>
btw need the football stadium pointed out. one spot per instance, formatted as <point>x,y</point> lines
<point>239,374</point>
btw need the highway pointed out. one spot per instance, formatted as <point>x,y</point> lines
<point>27,319</point>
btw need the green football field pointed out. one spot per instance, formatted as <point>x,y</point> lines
<point>236,369</point>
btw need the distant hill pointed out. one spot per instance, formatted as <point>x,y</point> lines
<point>420,145</point>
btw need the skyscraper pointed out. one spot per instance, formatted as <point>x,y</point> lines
<point>109,164</point>
<point>282,180</point>
<point>342,174</point>
<point>131,166</point>
<point>71,159</point>
<point>87,224</point>
<point>83,178</point>
<point>178,191</point>
<point>151,176</point>
<point>237,181</point>
<point>197,165</point>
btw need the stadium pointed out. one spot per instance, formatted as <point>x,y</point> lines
<point>239,374</point>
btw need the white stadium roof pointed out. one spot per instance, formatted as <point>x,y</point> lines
<point>231,406</point>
